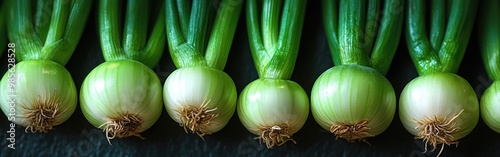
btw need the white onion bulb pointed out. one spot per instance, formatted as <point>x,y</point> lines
<point>273,109</point>
<point>439,108</point>
<point>38,95</point>
<point>121,97</point>
<point>200,98</point>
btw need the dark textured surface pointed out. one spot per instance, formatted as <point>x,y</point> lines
<point>77,137</point>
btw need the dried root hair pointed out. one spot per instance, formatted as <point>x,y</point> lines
<point>122,126</point>
<point>42,113</point>
<point>438,130</point>
<point>352,132</point>
<point>275,135</point>
<point>197,119</point>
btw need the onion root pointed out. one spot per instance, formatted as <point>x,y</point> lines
<point>122,126</point>
<point>438,130</point>
<point>275,135</point>
<point>42,114</point>
<point>197,119</point>
<point>352,132</point>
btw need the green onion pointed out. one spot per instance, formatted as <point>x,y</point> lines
<point>439,106</point>
<point>353,99</point>
<point>490,46</point>
<point>39,93</point>
<point>123,96</point>
<point>274,107</point>
<point>199,95</point>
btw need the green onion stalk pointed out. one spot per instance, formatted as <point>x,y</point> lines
<point>353,100</point>
<point>199,95</point>
<point>37,92</point>
<point>439,106</point>
<point>273,107</point>
<point>123,95</point>
<point>3,25</point>
<point>489,39</point>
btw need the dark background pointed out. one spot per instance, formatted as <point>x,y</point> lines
<point>76,137</point>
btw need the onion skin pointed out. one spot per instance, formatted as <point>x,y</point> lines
<point>353,93</point>
<point>270,102</point>
<point>490,106</point>
<point>34,80</point>
<point>441,95</point>
<point>198,85</point>
<point>119,87</point>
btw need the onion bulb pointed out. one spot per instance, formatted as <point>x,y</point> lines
<point>490,106</point>
<point>200,99</point>
<point>273,109</point>
<point>353,102</point>
<point>439,108</point>
<point>121,97</point>
<point>38,95</point>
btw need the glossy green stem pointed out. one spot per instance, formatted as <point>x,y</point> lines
<point>371,24</point>
<point>448,56</point>
<point>223,30</point>
<point>109,30</point>
<point>58,21</point>
<point>271,10</point>
<point>135,26</point>
<point>42,15</point>
<point>389,34</point>
<point>278,62</point>
<point>351,32</point>
<point>330,11</point>
<point>197,39</point>
<point>198,23</point>
<point>131,41</point>
<point>183,54</point>
<point>45,32</point>
<point>184,8</point>
<point>360,33</point>
<point>437,23</point>
<point>489,37</point>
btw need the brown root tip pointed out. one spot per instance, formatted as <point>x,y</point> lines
<point>124,125</point>
<point>197,119</point>
<point>352,132</point>
<point>438,130</point>
<point>42,114</point>
<point>275,135</point>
